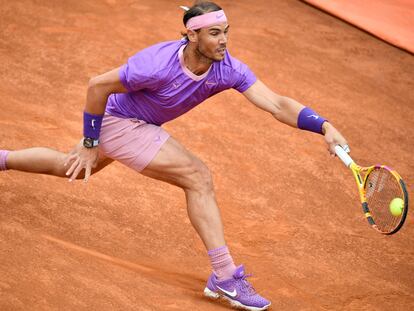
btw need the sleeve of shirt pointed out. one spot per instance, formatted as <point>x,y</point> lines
<point>243,77</point>
<point>138,73</point>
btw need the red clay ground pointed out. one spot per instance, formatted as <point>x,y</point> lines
<point>123,242</point>
<point>390,20</point>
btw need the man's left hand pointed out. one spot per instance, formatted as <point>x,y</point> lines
<point>333,138</point>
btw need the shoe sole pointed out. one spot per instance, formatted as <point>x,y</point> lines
<point>236,304</point>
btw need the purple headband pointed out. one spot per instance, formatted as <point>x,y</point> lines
<point>206,20</point>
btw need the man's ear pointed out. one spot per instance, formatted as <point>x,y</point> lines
<point>192,36</point>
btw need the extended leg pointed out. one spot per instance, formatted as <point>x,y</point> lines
<point>43,161</point>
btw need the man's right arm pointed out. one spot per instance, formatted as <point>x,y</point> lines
<point>99,89</point>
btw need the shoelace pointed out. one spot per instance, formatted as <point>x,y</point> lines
<point>246,287</point>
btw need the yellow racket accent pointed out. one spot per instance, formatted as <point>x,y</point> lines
<point>378,185</point>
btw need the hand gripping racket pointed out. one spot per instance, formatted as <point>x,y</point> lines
<point>382,192</point>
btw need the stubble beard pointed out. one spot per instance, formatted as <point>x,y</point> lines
<point>203,57</point>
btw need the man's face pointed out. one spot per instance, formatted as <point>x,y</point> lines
<point>212,41</point>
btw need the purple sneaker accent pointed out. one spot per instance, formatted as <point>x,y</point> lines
<point>237,290</point>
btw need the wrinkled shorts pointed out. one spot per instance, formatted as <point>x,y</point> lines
<point>132,142</point>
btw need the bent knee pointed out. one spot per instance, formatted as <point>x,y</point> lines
<point>200,177</point>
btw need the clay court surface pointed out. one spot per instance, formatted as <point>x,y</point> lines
<point>291,212</point>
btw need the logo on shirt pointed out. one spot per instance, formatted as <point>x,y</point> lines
<point>176,84</point>
<point>211,83</point>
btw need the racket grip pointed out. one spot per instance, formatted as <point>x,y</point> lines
<point>343,155</point>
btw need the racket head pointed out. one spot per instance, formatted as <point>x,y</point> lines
<point>381,185</point>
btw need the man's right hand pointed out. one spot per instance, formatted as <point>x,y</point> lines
<point>81,158</point>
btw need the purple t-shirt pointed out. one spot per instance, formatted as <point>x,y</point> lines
<point>161,87</point>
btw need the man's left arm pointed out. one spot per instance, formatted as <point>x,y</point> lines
<point>290,112</point>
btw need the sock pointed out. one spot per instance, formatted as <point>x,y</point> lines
<point>3,157</point>
<point>222,262</point>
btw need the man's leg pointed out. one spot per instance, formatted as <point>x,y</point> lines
<point>44,161</point>
<point>177,166</point>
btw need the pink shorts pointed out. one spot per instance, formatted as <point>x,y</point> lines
<point>132,142</point>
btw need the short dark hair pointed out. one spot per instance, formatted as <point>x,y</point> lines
<point>199,9</point>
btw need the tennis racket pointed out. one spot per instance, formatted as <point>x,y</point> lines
<point>378,186</point>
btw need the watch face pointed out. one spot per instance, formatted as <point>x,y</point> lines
<point>88,142</point>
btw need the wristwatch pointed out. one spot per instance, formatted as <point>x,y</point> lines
<point>90,142</point>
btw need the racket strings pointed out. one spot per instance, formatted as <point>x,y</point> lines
<point>381,187</point>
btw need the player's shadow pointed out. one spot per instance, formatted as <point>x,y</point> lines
<point>187,281</point>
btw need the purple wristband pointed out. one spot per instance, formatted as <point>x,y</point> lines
<point>92,125</point>
<point>309,120</point>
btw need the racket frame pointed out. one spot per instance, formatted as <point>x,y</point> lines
<point>361,183</point>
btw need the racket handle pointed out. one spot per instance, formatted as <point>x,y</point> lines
<point>343,155</point>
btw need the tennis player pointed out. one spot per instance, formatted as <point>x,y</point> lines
<point>126,107</point>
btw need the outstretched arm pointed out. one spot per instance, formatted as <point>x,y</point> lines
<point>291,112</point>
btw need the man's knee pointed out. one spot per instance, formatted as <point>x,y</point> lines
<point>200,177</point>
